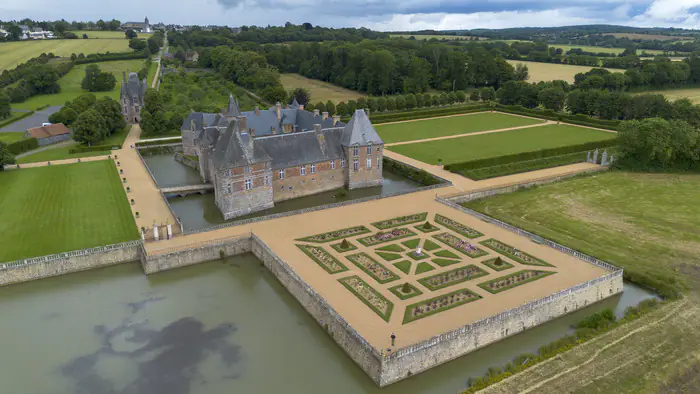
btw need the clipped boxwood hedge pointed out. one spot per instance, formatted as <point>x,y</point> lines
<point>94,148</point>
<point>531,155</point>
<point>23,146</point>
<point>578,119</point>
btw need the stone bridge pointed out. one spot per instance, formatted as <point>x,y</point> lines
<point>186,190</point>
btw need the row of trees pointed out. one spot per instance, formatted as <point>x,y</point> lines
<point>59,27</point>
<point>91,119</point>
<point>250,70</point>
<point>155,116</point>
<point>659,73</point>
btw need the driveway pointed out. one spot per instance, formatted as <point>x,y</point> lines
<point>35,120</point>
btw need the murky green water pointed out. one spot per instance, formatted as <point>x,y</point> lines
<point>199,211</point>
<point>169,172</point>
<point>220,327</point>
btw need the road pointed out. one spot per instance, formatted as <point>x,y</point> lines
<point>35,120</point>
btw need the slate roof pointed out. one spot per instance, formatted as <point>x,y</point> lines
<point>203,119</point>
<point>359,131</point>
<point>289,150</point>
<point>236,149</point>
<point>132,87</point>
<point>233,108</point>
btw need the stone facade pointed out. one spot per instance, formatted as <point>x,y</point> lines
<point>298,153</point>
<point>131,97</point>
<point>201,253</point>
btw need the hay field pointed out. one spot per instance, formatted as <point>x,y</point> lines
<point>649,37</point>
<point>674,94</point>
<point>550,71</point>
<point>320,91</point>
<point>14,53</point>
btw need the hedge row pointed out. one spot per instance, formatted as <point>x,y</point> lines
<point>524,166</point>
<point>105,57</point>
<point>22,146</point>
<point>401,116</point>
<point>420,176</point>
<point>578,119</point>
<point>94,148</point>
<point>12,120</point>
<point>531,155</point>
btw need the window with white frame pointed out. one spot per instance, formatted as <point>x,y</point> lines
<point>355,165</point>
<point>313,168</point>
<point>248,184</point>
<point>355,150</point>
<point>302,170</point>
<point>332,164</point>
<point>369,149</point>
<point>379,162</point>
<point>369,163</point>
<point>342,163</point>
<point>281,174</point>
<point>247,169</point>
<point>229,190</point>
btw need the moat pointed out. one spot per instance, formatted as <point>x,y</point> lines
<point>223,326</point>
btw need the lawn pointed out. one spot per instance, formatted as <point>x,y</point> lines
<point>549,71</point>
<point>498,144</point>
<point>70,84</point>
<point>56,209</point>
<point>14,53</point>
<point>320,91</point>
<point>106,34</point>
<point>11,136</point>
<point>58,153</point>
<point>438,127</point>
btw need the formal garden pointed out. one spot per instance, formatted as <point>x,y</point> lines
<point>398,264</point>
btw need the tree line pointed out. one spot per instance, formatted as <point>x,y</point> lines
<point>59,27</point>
<point>655,74</point>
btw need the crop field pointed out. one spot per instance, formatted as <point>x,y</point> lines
<point>498,144</point>
<point>454,125</point>
<point>320,91</point>
<point>70,84</point>
<point>106,34</point>
<point>643,223</point>
<point>549,71</point>
<point>56,209</point>
<point>14,53</point>
<point>693,94</point>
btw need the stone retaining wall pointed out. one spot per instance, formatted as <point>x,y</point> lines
<point>193,254</point>
<point>180,157</point>
<point>69,262</point>
<point>359,350</point>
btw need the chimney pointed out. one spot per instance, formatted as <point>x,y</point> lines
<point>242,122</point>
<point>316,113</point>
<point>336,119</point>
<point>278,108</point>
<point>317,128</point>
<point>257,111</point>
<point>252,132</point>
<point>325,115</point>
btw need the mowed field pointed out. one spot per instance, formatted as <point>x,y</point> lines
<point>320,91</point>
<point>70,84</point>
<point>62,208</point>
<point>14,53</point>
<point>484,146</point>
<point>642,222</point>
<point>550,71</point>
<point>453,125</point>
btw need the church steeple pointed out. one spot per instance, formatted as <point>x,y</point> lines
<point>146,21</point>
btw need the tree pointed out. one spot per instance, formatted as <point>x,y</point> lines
<point>65,115</point>
<point>410,101</point>
<point>137,45</point>
<point>474,95</point>
<point>330,107</point>
<point>341,108</point>
<point>521,72</point>
<point>400,102</point>
<point>85,36</point>
<point>111,112</point>
<point>274,94</point>
<point>6,157</point>
<point>320,107</point>
<point>302,95</point>
<point>97,81</point>
<point>552,98</point>
<point>658,143</point>
<point>4,105</point>
<point>152,101</point>
<point>461,96</point>
<point>130,34</point>
<point>14,33</point>
<point>487,93</point>
<point>43,78</point>
<point>452,97</point>
<point>90,127</point>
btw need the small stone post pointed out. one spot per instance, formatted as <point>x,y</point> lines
<point>155,232</point>
<point>393,339</point>
<point>143,235</point>
<point>604,160</point>
<point>170,231</point>
<point>595,156</point>
<point>588,158</point>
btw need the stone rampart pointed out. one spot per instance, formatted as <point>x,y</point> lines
<point>69,262</point>
<point>359,350</point>
<point>180,157</point>
<point>183,256</point>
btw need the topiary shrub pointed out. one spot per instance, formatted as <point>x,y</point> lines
<point>345,244</point>
<point>406,288</point>
<point>498,261</point>
<point>427,226</point>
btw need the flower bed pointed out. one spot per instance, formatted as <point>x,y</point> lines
<point>452,277</point>
<point>468,249</point>
<point>323,258</point>
<point>497,264</point>
<point>457,227</point>
<point>515,279</point>
<point>400,221</point>
<point>513,253</point>
<point>398,291</point>
<point>370,297</point>
<point>339,247</point>
<point>438,304</point>
<point>372,267</point>
<point>383,237</point>
<point>336,235</point>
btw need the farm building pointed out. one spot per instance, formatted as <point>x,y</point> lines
<point>47,135</point>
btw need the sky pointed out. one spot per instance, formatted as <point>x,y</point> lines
<point>385,15</point>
